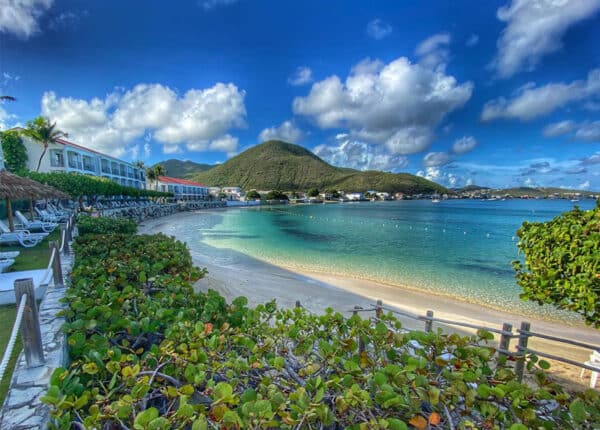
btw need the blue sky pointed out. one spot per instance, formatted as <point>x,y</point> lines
<point>493,93</point>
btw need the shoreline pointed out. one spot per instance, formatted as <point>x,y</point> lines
<point>261,281</point>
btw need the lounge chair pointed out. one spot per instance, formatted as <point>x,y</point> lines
<point>23,237</point>
<point>9,254</point>
<point>48,217</point>
<point>5,264</point>
<point>48,227</point>
<point>57,211</point>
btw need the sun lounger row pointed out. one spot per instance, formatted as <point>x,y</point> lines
<point>23,237</point>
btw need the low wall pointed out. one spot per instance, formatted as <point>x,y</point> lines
<point>156,211</point>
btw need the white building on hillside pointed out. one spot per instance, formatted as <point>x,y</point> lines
<point>355,196</point>
<point>182,189</point>
<point>65,156</point>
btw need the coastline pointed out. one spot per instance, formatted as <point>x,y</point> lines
<point>260,281</point>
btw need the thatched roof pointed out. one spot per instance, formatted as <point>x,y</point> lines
<point>17,187</point>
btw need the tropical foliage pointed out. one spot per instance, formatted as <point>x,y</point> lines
<point>149,353</point>
<point>276,195</point>
<point>89,225</point>
<point>152,174</point>
<point>562,262</point>
<point>79,186</point>
<point>15,154</point>
<point>252,195</point>
<point>276,165</point>
<point>43,132</point>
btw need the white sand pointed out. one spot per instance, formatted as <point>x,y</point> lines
<point>260,282</point>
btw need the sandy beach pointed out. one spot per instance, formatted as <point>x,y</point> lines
<point>260,281</point>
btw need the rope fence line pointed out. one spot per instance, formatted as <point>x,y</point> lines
<point>506,335</point>
<point>13,337</point>
<point>27,320</point>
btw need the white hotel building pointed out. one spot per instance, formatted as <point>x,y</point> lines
<point>65,156</point>
<point>182,189</point>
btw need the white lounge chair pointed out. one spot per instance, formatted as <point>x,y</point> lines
<point>5,264</point>
<point>45,216</point>
<point>9,254</point>
<point>23,237</point>
<point>48,227</point>
<point>56,211</point>
<point>594,361</point>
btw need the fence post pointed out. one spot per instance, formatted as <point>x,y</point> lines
<point>379,309</point>
<point>298,304</point>
<point>428,322</point>
<point>361,344</point>
<point>56,266</point>
<point>30,324</point>
<point>522,349</point>
<point>69,229</point>
<point>505,337</point>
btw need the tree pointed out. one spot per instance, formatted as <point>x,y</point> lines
<point>313,192</point>
<point>562,264</point>
<point>252,195</point>
<point>276,195</point>
<point>15,154</point>
<point>152,173</point>
<point>41,131</point>
<point>8,98</point>
<point>139,164</point>
<point>334,193</point>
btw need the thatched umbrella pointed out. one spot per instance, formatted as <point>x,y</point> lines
<point>13,187</point>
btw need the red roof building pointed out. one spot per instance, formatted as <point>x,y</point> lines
<point>182,189</point>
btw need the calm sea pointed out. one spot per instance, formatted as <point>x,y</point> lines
<point>461,248</point>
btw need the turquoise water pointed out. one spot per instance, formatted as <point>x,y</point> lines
<point>461,248</point>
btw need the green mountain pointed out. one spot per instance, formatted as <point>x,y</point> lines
<point>183,169</point>
<point>276,165</point>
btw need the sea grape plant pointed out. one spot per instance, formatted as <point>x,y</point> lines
<point>562,262</point>
<point>147,352</point>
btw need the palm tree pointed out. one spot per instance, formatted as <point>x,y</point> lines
<point>159,170</point>
<point>151,174</point>
<point>139,164</point>
<point>9,98</point>
<point>41,131</point>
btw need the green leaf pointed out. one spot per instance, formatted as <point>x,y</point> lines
<point>142,419</point>
<point>577,409</point>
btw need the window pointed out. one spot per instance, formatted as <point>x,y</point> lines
<point>56,158</point>
<point>88,164</point>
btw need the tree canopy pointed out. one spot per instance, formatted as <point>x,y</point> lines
<point>15,154</point>
<point>276,195</point>
<point>252,195</point>
<point>43,132</point>
<point>562,262</point>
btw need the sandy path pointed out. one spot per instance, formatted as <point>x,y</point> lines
<point>260,282</point>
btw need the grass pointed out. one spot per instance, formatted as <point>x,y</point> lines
<point>32,258</point>
<point>7,318</point>
<point>28,259</point>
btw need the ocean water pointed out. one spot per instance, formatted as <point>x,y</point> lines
<point>459,248</point>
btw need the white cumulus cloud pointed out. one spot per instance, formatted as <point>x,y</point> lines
<point>398,104</point>
<point>531,101</point>
<point>302,76</point>
<point>435,159</point>
<point>361,156</point>
<point>433,51</point>
<point>463,145</point>
<point>287,132</point>
<point>378,29</point>
<point>197,118</point>
<point>20,17</point>
<point>587,131</point>
<point>535,28</point>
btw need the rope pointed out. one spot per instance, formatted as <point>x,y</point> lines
<point>13,336</point>
<point>45,279</point>
<point>64,237</point>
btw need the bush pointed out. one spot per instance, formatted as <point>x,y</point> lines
<point>15,154</point>
<point>148,353</point>
<point>276,195</point>
<point>91,225</point>
<point>562,262</point>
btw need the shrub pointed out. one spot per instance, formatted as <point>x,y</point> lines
<point>90,225</point>
<point>562,262</point>
<point>148,353</point>
<point>15,154</point>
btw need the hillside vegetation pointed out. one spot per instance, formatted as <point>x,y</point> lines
<point>283,166</point>
<point>183,169</point>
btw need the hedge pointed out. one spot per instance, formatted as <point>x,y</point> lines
<point>100,225</point>
<point>149,353</point>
